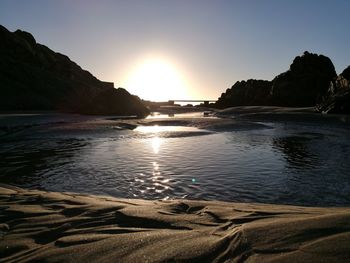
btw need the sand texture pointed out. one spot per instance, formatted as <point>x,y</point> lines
<point>66,227</point>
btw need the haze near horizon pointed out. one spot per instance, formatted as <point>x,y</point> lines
<point>162,50</point>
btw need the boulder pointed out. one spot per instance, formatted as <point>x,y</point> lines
<point>305,83</point>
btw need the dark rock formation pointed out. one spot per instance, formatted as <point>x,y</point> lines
<point>33,77</point>
<point>246,93</point>
<point>114,102</point>
<point>303,85</point>
<point>337,99</point>
<point>346,73</point>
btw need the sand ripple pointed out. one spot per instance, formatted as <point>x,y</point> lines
<point>66,227</point>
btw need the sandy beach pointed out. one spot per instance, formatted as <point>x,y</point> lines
<point>174,131</point>
<point>42,226</point>
<point>67,227</point>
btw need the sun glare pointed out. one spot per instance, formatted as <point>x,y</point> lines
<point>156,142</point>
<point>157,80</point>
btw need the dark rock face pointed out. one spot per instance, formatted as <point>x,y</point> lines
<point>114,102</point>
<point>246,93</point>
<point>346,73</point>
<point>33,77</point>
<point>305,83</point>
<point>337,99</point>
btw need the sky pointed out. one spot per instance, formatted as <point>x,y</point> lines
<point>184,49</point>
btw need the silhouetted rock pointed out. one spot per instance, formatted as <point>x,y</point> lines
<point>337,99</point>
<point>346,73</point>
<point>114,101</point>
<point>33,77</point>
<point>246,93</point>
<point>305,83</point>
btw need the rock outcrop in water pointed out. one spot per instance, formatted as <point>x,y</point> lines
<point>303,85</point>
<point>337,99</point>
<point>33,77</point>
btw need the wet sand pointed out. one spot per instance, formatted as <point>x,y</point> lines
<point>66,227</point>
<point>230,119</point>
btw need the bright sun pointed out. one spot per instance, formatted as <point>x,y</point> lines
<point>156,80</point>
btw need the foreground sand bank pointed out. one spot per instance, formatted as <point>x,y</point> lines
<point>66,227</point>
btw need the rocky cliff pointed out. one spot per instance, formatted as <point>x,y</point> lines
<point>33,77</point>
<point>303,85</point>
<point>337,99</point>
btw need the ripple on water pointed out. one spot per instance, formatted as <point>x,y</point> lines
<point>286,164</point>
<point>168,131</point>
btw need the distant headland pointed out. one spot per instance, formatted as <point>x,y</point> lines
<point>35,78</point>
<point>311,81</point>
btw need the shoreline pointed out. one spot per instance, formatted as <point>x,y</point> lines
<point>55,227</point>
<point>240,117</point>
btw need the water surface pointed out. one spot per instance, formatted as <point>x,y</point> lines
<point>292,162</point>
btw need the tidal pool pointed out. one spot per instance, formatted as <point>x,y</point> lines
<point>290,162</point>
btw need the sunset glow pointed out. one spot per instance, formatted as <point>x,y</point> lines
<point>156,80</point>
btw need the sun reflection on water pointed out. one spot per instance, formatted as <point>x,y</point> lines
<point>156,142</point>
<point>158,129</point>
<point>159,184</point>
